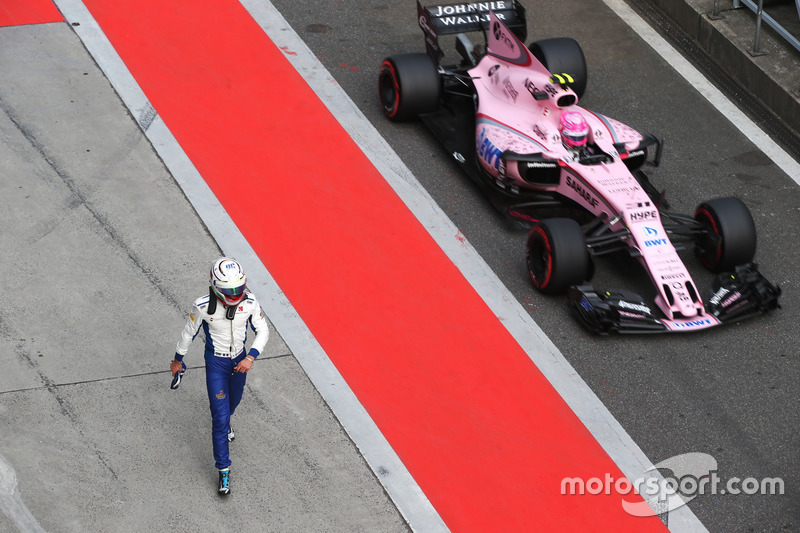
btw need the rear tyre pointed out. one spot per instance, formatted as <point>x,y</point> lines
<point>408,85</point>
<point>556,255</point>
<point>563,55</point>
<point>729,238</point>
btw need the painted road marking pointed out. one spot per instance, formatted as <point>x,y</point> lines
<point>19,12</point>
<point>154,122</point>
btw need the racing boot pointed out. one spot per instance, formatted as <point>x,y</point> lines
<point>224,481</point>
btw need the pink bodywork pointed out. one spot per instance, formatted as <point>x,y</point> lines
<point>510,118</point>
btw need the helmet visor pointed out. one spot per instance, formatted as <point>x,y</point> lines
<point>574,139</point>
<point>234,292</point>
<point>231,295</point>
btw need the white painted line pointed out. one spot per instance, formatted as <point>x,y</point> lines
<point>589,409</point>
<point>741,121</point>
<point>382,459</point>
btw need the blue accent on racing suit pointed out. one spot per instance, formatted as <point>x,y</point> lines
<point>224,348</point>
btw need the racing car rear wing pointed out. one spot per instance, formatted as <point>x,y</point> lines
<point>468,17</point>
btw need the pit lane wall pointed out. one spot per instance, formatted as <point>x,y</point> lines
<point>773,77</point>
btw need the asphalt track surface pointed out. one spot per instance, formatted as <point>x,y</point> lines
<point>730,392</point>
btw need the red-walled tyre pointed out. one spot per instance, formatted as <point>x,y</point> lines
<point>408,85</point>
<point>729,238</point>
<point>556,255</point>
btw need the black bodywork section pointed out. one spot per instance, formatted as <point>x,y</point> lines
<point>736,296</point>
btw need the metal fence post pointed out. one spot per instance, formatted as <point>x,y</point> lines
<point>757,42</point>
<point>715,13</point>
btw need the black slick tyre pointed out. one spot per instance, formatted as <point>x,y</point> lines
<point>556,255</point>
<point>408,85</point>
<point>563,55</point>
<point>729,238</point>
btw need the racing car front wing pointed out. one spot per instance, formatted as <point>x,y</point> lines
<point>736,296</point>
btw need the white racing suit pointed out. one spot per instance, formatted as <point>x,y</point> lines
<point>224,348</point>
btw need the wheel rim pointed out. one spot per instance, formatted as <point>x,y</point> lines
<point>710,244</point>
<point>388,89</point>
<point>539,256</point>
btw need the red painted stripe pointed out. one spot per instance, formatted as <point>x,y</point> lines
<point>479,428</point>
<point>19,12</point>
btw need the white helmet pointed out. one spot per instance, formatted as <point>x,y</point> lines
<point>228,280</point>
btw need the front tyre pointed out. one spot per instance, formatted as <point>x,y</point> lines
<point>408,85</point>
<point>556,255</point>
<point>729,236</point>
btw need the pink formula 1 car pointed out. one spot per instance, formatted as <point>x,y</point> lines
<point>509,115</point>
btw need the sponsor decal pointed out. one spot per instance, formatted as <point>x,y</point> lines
<point>586,305</point>
<point>493,69</point>
<point>680,291</point>
<point>539,133</point>
<point>532,88</point>
<point>691,324</point>
<point>630,315</point>
<point>667,277</point>
<point>718,296</point>
<point>191,317</point>
<point>220,395</point>
<point>732,298</point>
<point>655,242</point>
<point>538,164</point>
<point>644,216</point>
<point>469,8</point>
<point>468,19</point>
<point>488,151</point>
<point>423,23</point>
<point>585,194</point>
<point>650,232</point>
<point>500,35</point>
<point>634,307</point>
<point>509,90</point>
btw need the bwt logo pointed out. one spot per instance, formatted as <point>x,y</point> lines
<point>655,242</point>
<point>651,232</point>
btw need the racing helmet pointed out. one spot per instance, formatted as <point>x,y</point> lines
<point>574,130</point>
<point>228,280</point>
